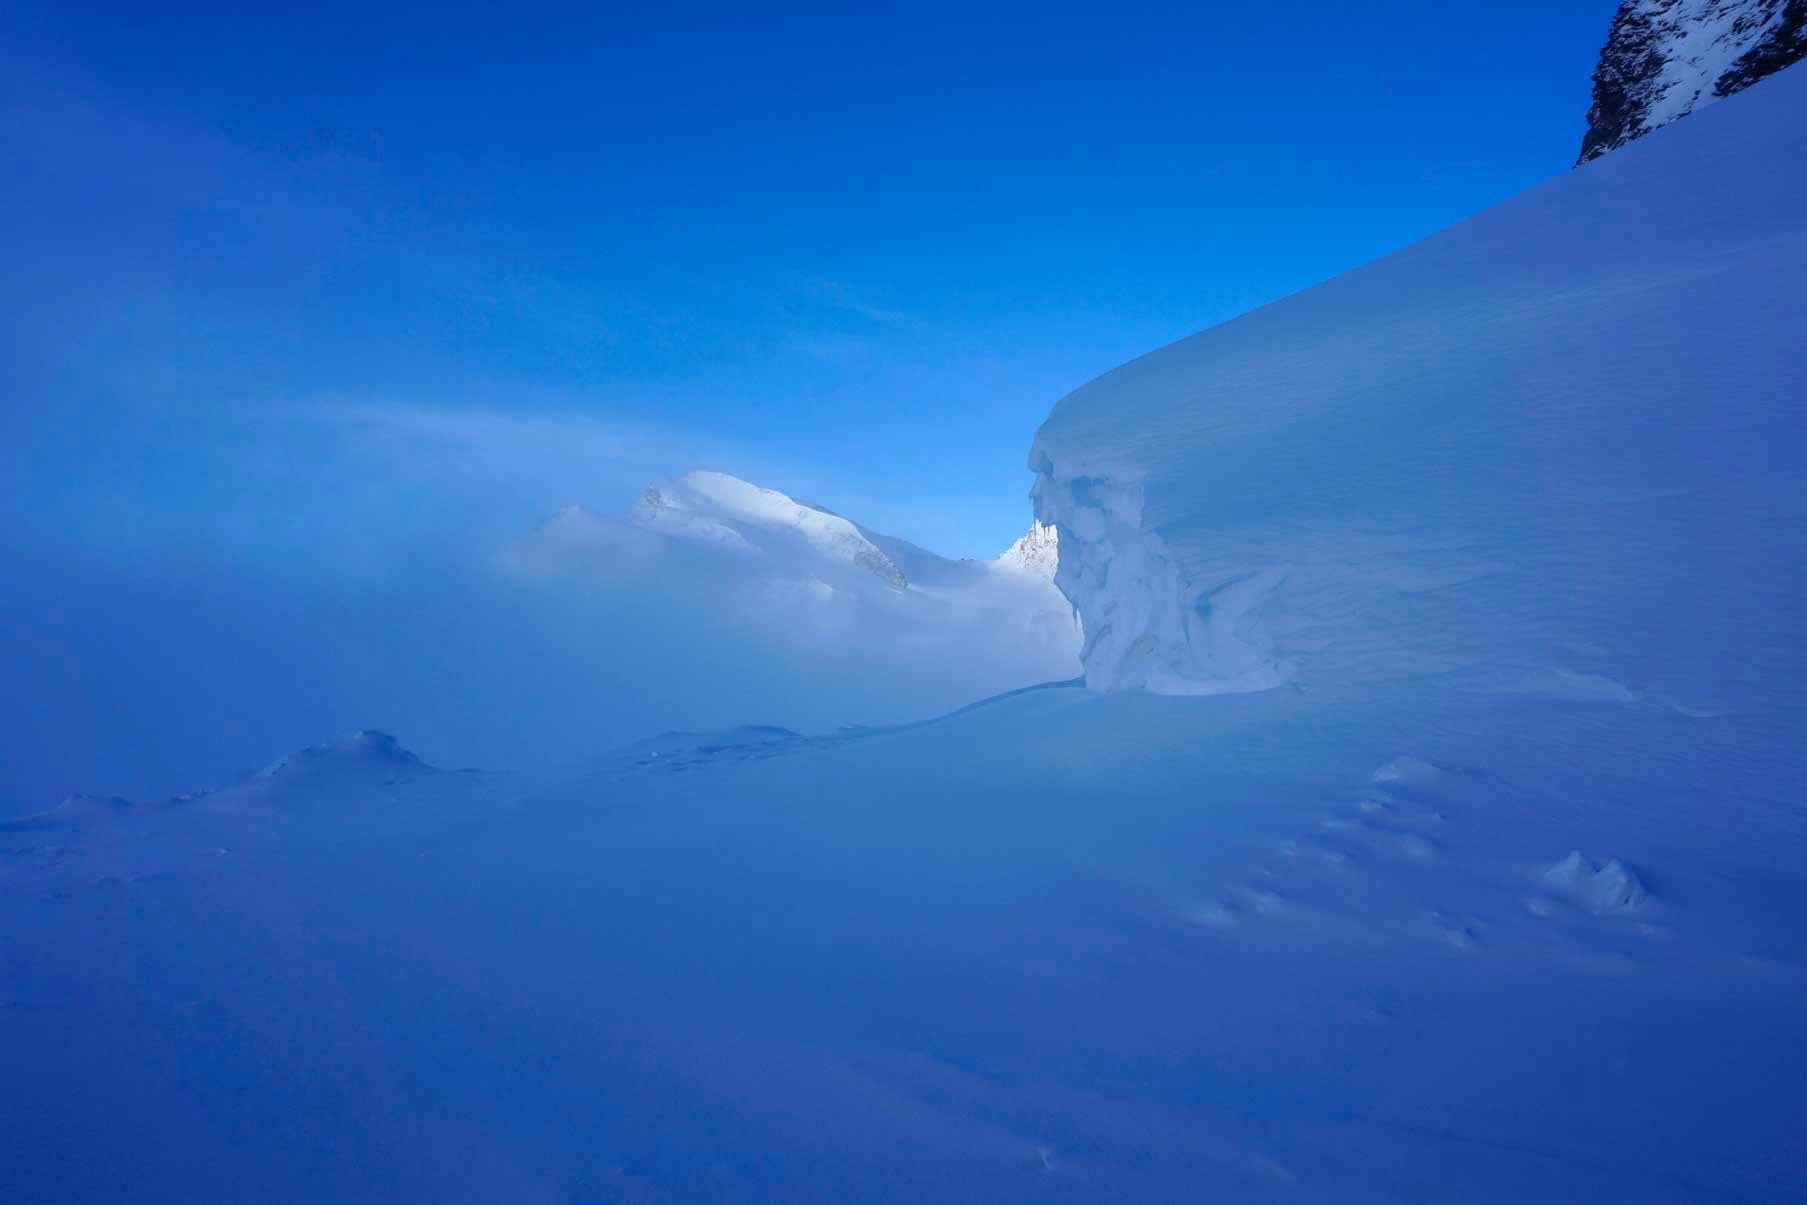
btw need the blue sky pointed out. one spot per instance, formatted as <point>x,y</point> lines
<point>285,278</point>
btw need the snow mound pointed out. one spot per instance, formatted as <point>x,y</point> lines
<point>1608,890</point>
<point>363,764</point>
<point>1408,770</point>
<point>366,749</point>
<point>1551,450</point>
<point>365,760</point>
<point>719,509</point>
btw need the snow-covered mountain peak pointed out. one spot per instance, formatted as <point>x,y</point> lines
<point>719,509</point>
<point>1036,551</point>
<point>1664,59</point>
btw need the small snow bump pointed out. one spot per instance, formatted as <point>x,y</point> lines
<point>1414,848</point>
<point>1408,770</point>
<point>1605,890</point>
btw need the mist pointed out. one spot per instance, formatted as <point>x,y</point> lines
<point>178,652</point>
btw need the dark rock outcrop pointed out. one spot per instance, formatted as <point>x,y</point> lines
<point>1665,58</point>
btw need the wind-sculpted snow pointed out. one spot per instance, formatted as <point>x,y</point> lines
<point>1144,624</point>
<point>1553,450</point>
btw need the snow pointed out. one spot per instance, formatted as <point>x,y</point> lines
<point>1611,888</point>
<point>1455,853</point>
<point>1550,450</point>
<point>807,581</point>
<point>1068,945</point>
<point>719,508</point>
<point>1663,59</point>
<point>73,810</point>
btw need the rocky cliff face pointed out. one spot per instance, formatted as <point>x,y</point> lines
<point>1036,551</point>
<point>1664,59</point>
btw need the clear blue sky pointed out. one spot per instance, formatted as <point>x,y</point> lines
<point>851,251</point>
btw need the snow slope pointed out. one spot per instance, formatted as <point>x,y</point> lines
<point>1554,451</point>
<point>1663,59</point>
<point>1063,946</point>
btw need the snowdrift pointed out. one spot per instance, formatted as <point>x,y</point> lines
<point>1555,449</point>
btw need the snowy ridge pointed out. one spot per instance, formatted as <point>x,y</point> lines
<point>1664,59</point>
<point>1541,452</point>
<point>764,571</point>
<point>717,508</point>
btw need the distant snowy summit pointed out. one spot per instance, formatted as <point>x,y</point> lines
<point>719,509</point>
<point>731,514</point>
<point>809,579</point>
<point>1664,59</point>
